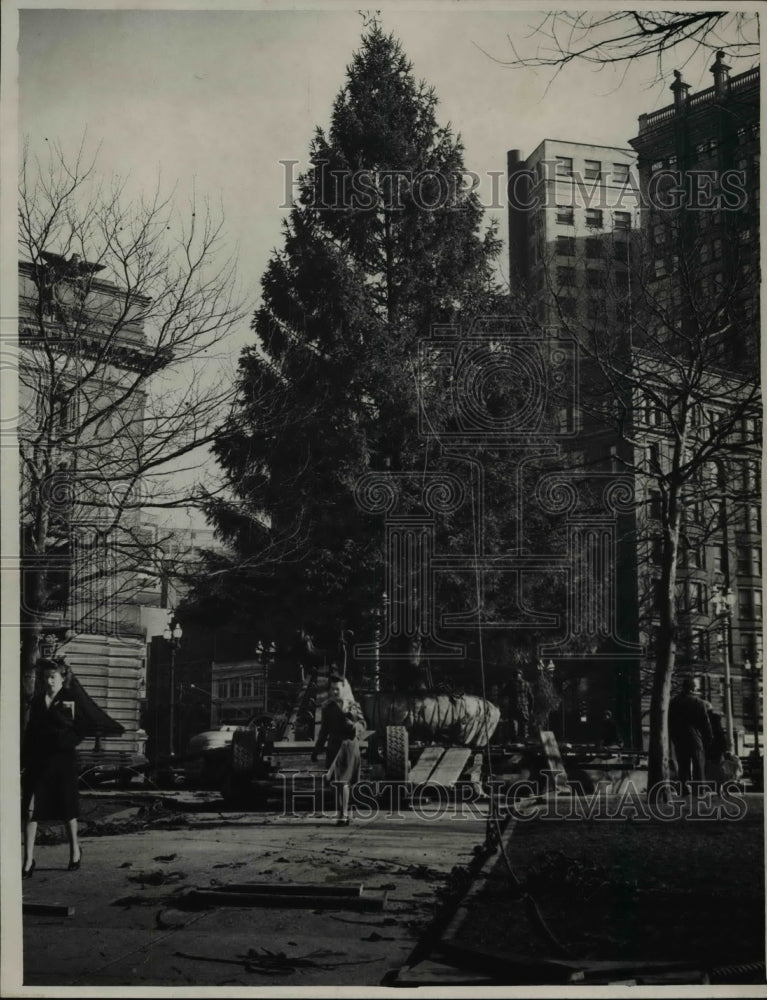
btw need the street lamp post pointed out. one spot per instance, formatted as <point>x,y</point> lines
<point>724,601</point>
<point>172,636</point>
<point>755,671</point>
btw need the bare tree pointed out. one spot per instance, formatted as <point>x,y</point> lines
<point>124,307</point>
<point>604,38</point>
<point>669,343</point>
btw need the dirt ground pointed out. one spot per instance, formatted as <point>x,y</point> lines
<point>626,890</point>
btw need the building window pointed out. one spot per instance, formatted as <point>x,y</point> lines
<point>620,173</point>
<point>753,647</point>
<point>564,166</point>
<point>656,166</point>
<point>656,550</point>
<point>593,169</point>
<point>567,306</point>
<point>594,249</point>
<point>699,646</point>
<point>593,278</point>
<point>660,267</point>
<point>593,308</point>
<point>246,687</point>
<point>694,555</point>
<point>622,220</point>
<point>750,603</point>
<point>565,215</point>
<point>234,687</point>
<point>621,251</point>
<point>717,557</point>
<point>566,246</point>
<point>655,505</point>
<point>697,596</point>
<point>622,281</point>
<point>744,236</point>
<point>705,253</point>
<point>566,276</point>
<point>717,248</point>
<point>752,517</point>
<point>742,135</point>
<point>222,689</point>
<point>750,560</point>
<point>750,477</point>
<point>594,218</point>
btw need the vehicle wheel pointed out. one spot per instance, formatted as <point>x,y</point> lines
<point>243,753</point>
<point>397,753</point>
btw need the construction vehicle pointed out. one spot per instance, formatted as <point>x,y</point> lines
<point>417,739</point>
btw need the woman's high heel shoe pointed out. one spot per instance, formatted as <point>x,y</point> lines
<point>27,872</point>
<point>75,865</point>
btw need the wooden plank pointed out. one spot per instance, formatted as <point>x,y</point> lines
<point>510,969</point>
<point>294,889</point>
<point>437,974</point>
<point>425,764</point>
<point>210,897</point>
<point>554,760</point>
<point>450,768</point>
<point>48,909</point>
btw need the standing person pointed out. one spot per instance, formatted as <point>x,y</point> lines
<point>690,732</point>
<point>609,735</point>
<point>520,704</point>
<point>342,721</point>
<point>49,762</point>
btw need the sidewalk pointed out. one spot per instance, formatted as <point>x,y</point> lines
<point>125,930</point>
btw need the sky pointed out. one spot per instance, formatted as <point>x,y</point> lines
<point>218,99</point>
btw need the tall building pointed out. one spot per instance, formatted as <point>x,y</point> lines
<point>698,164</point>
<point>650,255</point>
<point>572,208</point>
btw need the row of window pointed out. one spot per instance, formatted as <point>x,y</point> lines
<point>239,687</point>
<point>567,277</point>
<point>695,555</point>
<point>694,597</point>
<point>594,249</point>
<point>700,512</point>
<point>593,170</point>
<point>594,218</point>
<point>746,134</point>
<point>710,147</point>
<point>697,644</point>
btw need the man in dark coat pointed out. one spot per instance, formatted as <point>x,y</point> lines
<point>690,731</point>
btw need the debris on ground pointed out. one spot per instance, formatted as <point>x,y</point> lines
<point>157,877</point>
<point>170,919</point>
<point>265,962</point>
<point>165,857</point>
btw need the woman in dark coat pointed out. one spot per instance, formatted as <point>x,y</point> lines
<point>49,762</point>
<point>340,728</point>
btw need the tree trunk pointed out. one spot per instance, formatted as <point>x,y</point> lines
<point>658,763</point>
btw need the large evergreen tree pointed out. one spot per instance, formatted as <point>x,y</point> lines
<point>384,242</point>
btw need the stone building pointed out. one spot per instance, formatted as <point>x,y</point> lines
<point>81,343</point>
